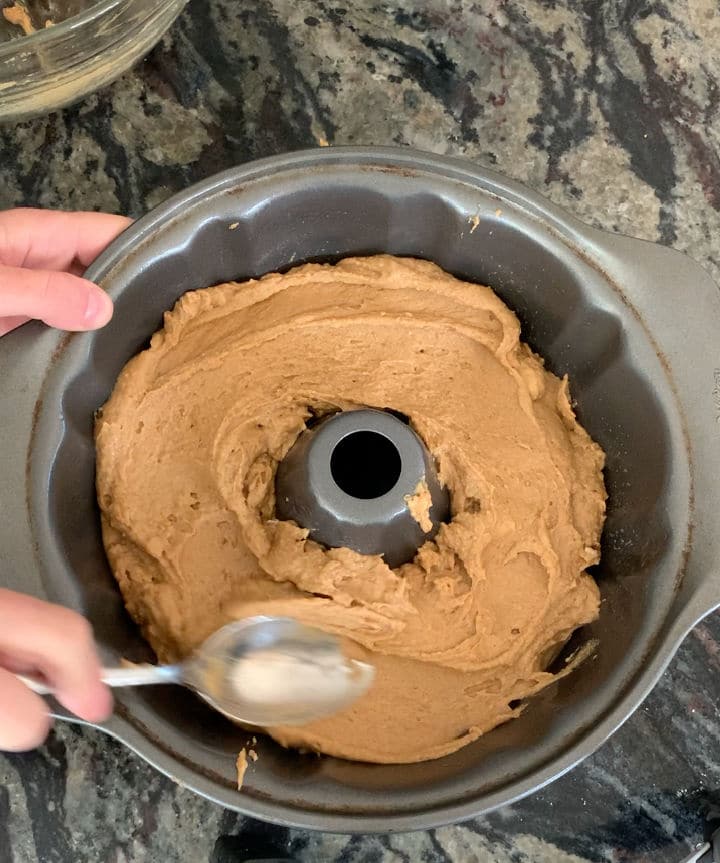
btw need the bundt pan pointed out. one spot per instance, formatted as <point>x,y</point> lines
<point>634,325</point>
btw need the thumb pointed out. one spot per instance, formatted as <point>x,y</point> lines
<point>59,299</point>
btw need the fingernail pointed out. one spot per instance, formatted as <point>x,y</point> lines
<point>98,309</point>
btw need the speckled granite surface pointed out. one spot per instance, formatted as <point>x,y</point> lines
<point>612,110</point>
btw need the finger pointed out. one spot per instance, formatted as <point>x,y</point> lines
<point>53,240</point>
<point>59,644</point>
<point>24,716</point>
<point>60,299</point>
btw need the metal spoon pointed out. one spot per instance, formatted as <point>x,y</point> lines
<point>261,671</point>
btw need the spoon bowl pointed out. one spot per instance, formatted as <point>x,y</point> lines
<point>275,671</point>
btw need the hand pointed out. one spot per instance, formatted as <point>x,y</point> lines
<point>42,254</point>
<point>56,644</point>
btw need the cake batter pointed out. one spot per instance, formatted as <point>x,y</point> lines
<point>188,446</point>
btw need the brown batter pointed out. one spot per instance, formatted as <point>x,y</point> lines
<point>33,15</point>
<point>187,450</point>
<point>19,16</point>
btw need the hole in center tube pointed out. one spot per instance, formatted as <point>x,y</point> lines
<point>365,464</point>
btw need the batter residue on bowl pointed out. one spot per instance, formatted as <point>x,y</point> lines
<point>30,16</point>
<point>188,445</point>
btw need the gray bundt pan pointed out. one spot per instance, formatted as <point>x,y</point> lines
<point>633,324</point>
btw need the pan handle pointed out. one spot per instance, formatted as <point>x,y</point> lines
<point>678,303</point>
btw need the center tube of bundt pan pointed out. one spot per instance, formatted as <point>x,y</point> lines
<point>364,480</point>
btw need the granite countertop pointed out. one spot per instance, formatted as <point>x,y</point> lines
<point>609,108</point>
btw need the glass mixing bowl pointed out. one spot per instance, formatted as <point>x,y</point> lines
<point>60,64</point>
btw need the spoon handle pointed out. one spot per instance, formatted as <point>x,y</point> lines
<point>140,675</point>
